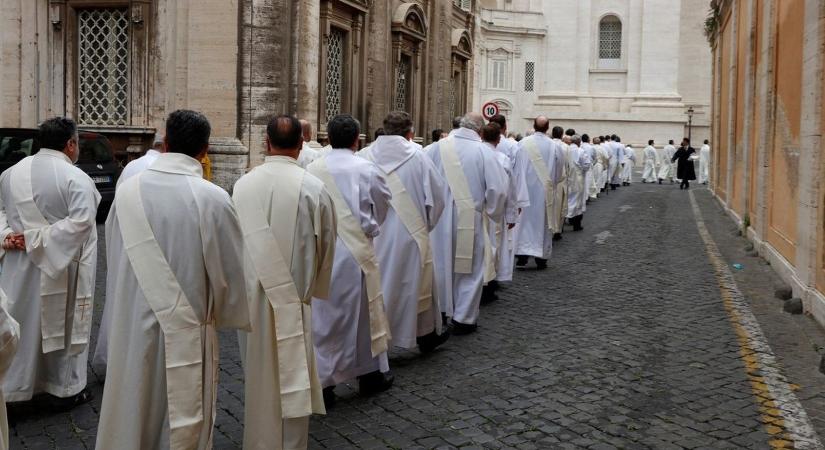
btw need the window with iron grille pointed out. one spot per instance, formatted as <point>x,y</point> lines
<point>402,83</point>
<point>529,76</point>
<point>610,38</point>
<point>463,4</point>
<point>103,66</point>
<point>335,73</point>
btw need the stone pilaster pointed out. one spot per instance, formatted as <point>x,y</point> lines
<point>230,159</point>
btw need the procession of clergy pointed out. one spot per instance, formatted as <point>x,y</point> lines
<point>322,258</point>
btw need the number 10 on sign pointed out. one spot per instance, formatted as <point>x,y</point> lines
<point>489,110</point>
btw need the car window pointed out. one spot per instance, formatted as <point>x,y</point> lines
<point>15,148</point>
<point>94,150</point>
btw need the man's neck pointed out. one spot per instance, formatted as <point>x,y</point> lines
<point>286,153</point>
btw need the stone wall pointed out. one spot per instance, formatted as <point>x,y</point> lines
<point>768,121</point>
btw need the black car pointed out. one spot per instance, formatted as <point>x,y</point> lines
<point>96,159</point>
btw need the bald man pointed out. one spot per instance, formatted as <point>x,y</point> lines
<point>308,154</point>
<point>475,195</point>
<point>544,172</point>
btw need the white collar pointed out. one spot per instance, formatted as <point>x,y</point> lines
<point>391,152</point>
<point>54,154</point>
<point>178,163</point>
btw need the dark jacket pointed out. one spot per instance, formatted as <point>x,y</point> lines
<point>686,169</point>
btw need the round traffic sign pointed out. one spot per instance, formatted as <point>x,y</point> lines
<point>489,110</point>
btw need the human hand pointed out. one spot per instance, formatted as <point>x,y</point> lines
<point>510,226</point>
<point>14,241</point>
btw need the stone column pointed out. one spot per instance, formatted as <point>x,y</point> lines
<point>306,58</point>
<point>211,83</point>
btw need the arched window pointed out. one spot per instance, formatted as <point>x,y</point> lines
<point>610,42</point>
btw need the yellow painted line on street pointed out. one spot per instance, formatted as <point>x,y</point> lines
<point>785,420</point>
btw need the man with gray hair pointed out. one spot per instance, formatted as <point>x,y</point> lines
<point>579,162</point>
<point>308,154</point>
<point>403,247</point>
<point>475,194</point>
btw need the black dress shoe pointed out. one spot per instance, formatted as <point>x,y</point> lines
<point>68,403</point>
<point>557,236</point>
<point>429,342</point>
<point>375,382</point>
<point>329,397</point>
<point>461,329</point>
<point>541,264</point>
<point>488,295</point>
<point>521,260</point>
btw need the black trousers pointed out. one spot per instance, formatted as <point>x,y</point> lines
<point>685,184</point>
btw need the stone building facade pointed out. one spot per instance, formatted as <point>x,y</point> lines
<point>768,122</point>
<point>629,67</point>
<point>120,66</point>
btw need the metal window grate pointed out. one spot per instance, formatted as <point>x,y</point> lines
<point>103,66</point>
<point>335,73</point>
<point>453,101</point>
<point>529,76</point>
<point>463,4</point>
<point>610,38</point>
<point>402,81</point>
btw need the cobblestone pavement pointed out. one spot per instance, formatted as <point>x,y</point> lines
<point>624,342</point>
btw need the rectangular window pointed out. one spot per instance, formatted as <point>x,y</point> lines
<point>335,73</point>
<point>529,76</point>
<point>463,4</point>
<point>103,66</point>
<point>498,74</point>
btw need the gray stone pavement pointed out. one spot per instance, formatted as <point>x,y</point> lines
<point>624,342</point>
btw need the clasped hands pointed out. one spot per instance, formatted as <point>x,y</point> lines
<point>14,241</point>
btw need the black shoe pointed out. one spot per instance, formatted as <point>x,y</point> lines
<point>557,236</point>
<point>613,187</point>
<point>329,397</point>
<point>375,382</point>
<point>68,403</point>
<point>521,260</point>
<point>488,295</point>
<point>462,329</point>
<point>494,285</point>
<point>660,181</point>
<point>541,264</point>
<point>428,343</point>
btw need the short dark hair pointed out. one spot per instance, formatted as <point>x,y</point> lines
<point>397,123</point>
<point>187,132</point>
<point>491,132</point>
<point>707,142</point>
<point>437,134</point>
<point>500,120</point>
<point>586,138</point>
<point>650,142</point>
<point>686,140</point>
<point>379,132</point>
<point>457,122</point>
<point>570,132</point>
<point>343,130</point>
<point>284,132</point>
<point>558,132</point>
<point>670,142</point>
<point>56,132</point>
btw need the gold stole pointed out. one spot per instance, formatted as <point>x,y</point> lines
<point>464,203</point>
<point>181,327</point>
<point>543,173</point>
<point>61,303</point>
<point>351,234</point>
<point>274,276</point>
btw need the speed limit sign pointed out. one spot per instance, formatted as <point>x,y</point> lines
<point>489,110</point>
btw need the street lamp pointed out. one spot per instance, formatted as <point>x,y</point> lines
<point>690,121</point>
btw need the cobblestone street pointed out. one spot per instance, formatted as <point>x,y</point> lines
<point>630,339</point>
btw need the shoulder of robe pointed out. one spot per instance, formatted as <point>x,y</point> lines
<point>209,191</point>
<point>312,185</point>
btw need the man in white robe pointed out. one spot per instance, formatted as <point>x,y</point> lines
<point>47,223</point>
<point>350,330</point>
<point>9,337</point>
<point>518,197</point>
<point>589,177</point>
<point>437,135</point>
<point>704,163</point>
<point>579,162</point>
<point>629,165</point>
<point>175,248</point>
<point>649,175</point>
<point>475,195</point>
<point>560,192</point>
<point>308,153</point>
<point>597,169</point>
<point>667,171</point>
<point>545,167</point>
<point>133,168</point>
<point>617,150</point>
<point>289,227</point>
<point>403,248</point>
